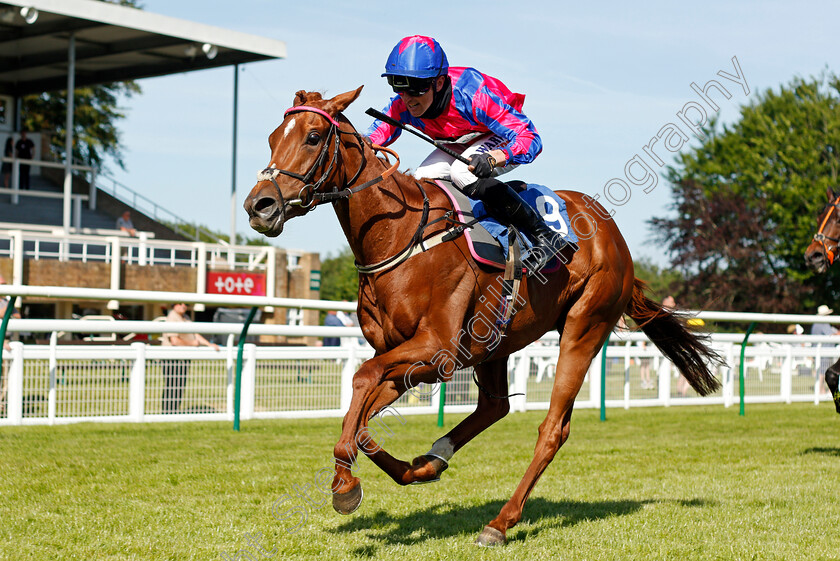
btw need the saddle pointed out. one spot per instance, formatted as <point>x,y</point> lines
<point>487,238</point>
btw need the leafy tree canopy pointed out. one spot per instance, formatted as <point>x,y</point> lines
<point>747,199</point>
<point>339,277</point>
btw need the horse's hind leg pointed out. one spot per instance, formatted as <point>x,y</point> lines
<point>580,343</point>
<point>493,378</point>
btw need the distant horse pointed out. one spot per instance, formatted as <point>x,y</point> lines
<point>819,256</point>
<point>425,312</point>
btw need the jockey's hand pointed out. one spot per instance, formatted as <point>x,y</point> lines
<point>481,165</point>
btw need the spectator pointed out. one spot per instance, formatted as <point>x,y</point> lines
<point>824,328</point>
<point>8,152</point>
<point>332,320</point>
<point>24,149</point>
<point>124,224</point>
<point>175,371</point>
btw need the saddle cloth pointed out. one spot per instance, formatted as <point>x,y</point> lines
<point>488,239</point>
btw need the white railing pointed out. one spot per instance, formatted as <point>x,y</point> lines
<point>69,383</point>
<point>59,383</point>
<point>150,208</point>
<point>16,192</point>
<point>20,246</point>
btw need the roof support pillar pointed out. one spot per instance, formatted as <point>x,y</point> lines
<point>68,156</point>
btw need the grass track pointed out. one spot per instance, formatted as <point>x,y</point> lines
<point>678,483</point>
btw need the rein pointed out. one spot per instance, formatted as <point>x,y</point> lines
<point>821,238</point>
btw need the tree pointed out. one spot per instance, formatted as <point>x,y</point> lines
<point>661,281</point>
<point>95,115</point>
<point>746,202</point>
<point>339,277</point>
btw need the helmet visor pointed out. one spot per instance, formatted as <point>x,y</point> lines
<point>414,87</point>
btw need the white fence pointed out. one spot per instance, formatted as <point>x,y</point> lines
<point>47,384</point>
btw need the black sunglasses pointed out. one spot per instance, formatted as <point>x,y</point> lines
<point>415,87</point>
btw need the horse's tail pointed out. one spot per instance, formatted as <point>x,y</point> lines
<point>689,352</point>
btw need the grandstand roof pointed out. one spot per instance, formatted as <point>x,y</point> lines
<point>112,43</point>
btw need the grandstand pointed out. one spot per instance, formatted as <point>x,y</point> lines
<point>62,231</point>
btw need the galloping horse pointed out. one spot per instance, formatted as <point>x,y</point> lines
<point>421,314</point>
<point>820,255</point>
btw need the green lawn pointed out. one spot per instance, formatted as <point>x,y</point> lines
<point>677,483</point>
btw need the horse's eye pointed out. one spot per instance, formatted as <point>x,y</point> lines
<point>313,138</point>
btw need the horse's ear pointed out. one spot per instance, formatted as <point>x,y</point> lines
<point>340,102</point>
<point>302,97</point>
<point>830,194</point>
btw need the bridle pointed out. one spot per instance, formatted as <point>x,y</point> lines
<point>310,194</point>
<point>821,238</point>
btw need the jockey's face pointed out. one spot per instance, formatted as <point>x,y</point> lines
<point>418,105</point>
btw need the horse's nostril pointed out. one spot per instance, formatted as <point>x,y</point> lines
<point>264,204</point>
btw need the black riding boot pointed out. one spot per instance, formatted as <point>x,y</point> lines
<point>504,203</point>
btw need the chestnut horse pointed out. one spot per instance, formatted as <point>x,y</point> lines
<point>819,256</point>
<point>426,313</point>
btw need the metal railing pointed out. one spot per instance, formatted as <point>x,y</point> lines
<point>153,210</point>
<point>47,384</point>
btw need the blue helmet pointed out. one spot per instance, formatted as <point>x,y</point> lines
<point>418,57</point>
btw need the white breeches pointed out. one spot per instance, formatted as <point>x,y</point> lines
<point>440,165</point>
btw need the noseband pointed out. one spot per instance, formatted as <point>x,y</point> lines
<point>821,238</point>
<point>310,194</point>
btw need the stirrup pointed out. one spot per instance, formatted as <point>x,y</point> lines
<point>537,257</point>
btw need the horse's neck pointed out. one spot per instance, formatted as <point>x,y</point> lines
<point>380,220</point>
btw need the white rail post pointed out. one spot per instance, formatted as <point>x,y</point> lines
<point>627,374</point>
<point>201,273</point>
<point>729,384</point>
<point>270,275</point>
<point>17,256</point>
<point>116,259</point>
<point>346,391</point>
<point>787,374</point>
<point>520,382</point>
<point>137,384</point>
<point>142,248</point>
<point>53,366</point>
<point>249,381</point>
<point>231,370</point>
<point>594,374</point>
<point>664,375</point>
<point>817,369</point>
<point>14,398</point>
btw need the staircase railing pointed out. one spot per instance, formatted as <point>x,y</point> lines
<point>153,210</point>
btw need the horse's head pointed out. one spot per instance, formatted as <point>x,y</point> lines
<point>304,161</point>
<point>823,250</point>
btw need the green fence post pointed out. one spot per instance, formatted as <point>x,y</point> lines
<point>442,403</point>
<point>9,309</point>
<point>237,395</point>
<point>604,379</point>
<point>741,374</point>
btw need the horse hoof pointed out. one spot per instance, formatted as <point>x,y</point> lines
<point>489,537</point>
<point>347,503</point>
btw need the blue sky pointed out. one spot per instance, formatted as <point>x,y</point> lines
<point>601,79</point>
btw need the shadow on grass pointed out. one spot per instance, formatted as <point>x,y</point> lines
<point>823,451</point>
<point>448,520</point>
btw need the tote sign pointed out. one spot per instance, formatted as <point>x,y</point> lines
<point>239,284</point>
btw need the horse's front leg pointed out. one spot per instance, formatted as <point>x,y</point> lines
<point>391,366</point>
<point>422,469</point>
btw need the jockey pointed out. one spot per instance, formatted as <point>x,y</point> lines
<point>449,103</point>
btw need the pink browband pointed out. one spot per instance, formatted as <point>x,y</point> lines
<point>298,108</point>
